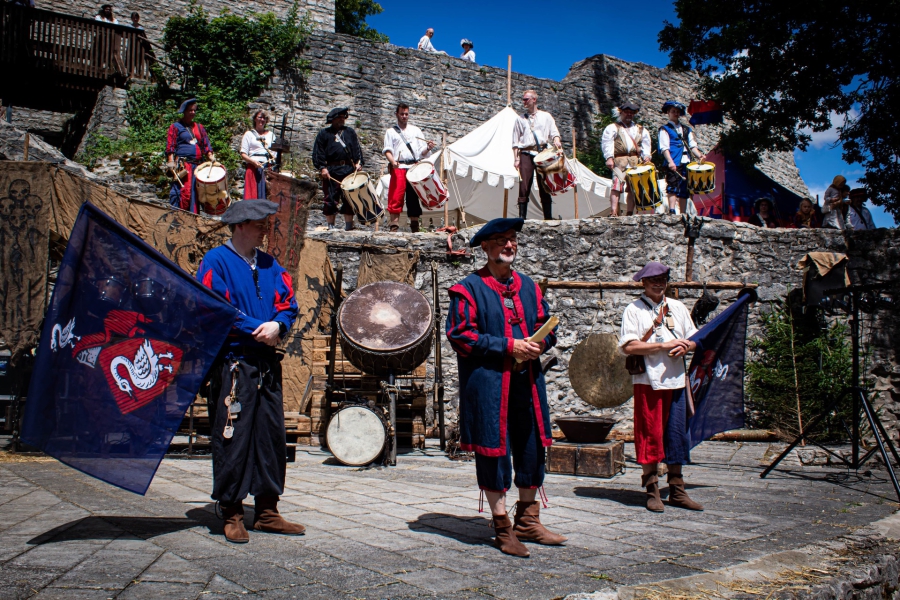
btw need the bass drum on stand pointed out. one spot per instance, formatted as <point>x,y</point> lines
<point>386,327</point>
<point>356,435</point>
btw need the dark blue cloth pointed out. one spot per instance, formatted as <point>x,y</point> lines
<point>494,227</point>
<point>524,451</point>
<point>676,441</point>
<point>676,144</point>
<point>676,185</point>
<point>269,296</point>
<point>481,329</point>
<point>705,112</point>
<point>127,340</point>
<point>717,373</point>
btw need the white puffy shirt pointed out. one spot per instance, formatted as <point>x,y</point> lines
<point>469,56</point>
<point>544,127</point>
<point>395,144</point>
<point>663,371</point>
<point>664,141</point>
<point>251,146</point>
<point>426,45</point>
<point>608,139</point>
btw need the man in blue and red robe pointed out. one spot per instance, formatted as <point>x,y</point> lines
<point>246,411</point>
<point>503,412</point>
<point>187,142</point>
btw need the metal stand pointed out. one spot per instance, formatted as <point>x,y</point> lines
<point>332,345</point>
<point>390,388</point>
<point>859,399</point>
<point>438,388</point>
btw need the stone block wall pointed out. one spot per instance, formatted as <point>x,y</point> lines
<point>155,14</point>
<point>614,249</point>
<point>108,117</point>
<point>448,95</point>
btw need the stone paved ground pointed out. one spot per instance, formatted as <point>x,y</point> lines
<point>411,531</point>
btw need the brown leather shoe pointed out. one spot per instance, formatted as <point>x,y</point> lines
<point>528,525</point>
<point>233,514</point>
<point>268,520</point>
<point>505,537</point>
<point>678,496</point>
<point>651,482</point>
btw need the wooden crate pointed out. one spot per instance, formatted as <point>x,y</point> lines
<point>587,460</point>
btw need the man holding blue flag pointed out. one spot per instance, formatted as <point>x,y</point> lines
<point>655,331</point>
<point>245,402</point>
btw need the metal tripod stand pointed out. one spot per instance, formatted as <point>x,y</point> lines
<point>860,400</point>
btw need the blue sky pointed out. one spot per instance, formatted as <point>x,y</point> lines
<point>546,38</point>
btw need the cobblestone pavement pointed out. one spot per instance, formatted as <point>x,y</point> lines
<point>411,531</point>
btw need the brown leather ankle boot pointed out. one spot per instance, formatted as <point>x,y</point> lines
<point>528,525</point>
<point>233,515</point>
<point>505,537</point>
<point>677,494</point>
<point>414,226</point>
<point>268,520</point>
<point>651,482</point>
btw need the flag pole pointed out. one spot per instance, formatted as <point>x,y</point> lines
<point>574,163</point>
<point>509,79</point>
<point>444,178</point>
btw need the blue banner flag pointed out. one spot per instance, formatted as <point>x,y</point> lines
<point>127,340</point>
<point>716,373</point>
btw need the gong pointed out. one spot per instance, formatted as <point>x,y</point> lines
<point>597,371</point>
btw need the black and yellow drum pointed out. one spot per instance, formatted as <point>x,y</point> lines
<point>386,327</point>
<point>701,177</point>
<point>644,186</point>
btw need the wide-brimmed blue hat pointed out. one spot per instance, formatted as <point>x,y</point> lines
<point>249,210</point>
<point>674,104</point>
<point>494,227</point>
<point>185,104</point>
<point>651,269</point>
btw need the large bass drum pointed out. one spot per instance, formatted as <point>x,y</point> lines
<point>356,435</point>
<point>386,327</point>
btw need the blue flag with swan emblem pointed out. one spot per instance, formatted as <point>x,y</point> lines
<point>716,373</point>
<point>126,343</point>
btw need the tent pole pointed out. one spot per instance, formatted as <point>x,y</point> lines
<point>574,161</point>
<point>505,200</point>
<point>509,80</point>
<point>444,178</point>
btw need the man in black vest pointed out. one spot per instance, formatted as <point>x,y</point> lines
<point>336,154</point>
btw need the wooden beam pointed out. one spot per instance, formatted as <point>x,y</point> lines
<point>636,285</point>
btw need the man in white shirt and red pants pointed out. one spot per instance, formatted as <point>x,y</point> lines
<point>404,146</point>
<point>531,133</point>
<point>624,144</point>
<point>657,329</point>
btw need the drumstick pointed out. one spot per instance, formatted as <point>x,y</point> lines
<point>541,333</point>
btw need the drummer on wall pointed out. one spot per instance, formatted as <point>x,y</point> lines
<point>503,412</point>
<point>187,143</point>
<point>534,130</point>
<point>624,144</point>
<point>674,139</point>
<point>336,154</point>
<point>255,151</point>
<point>404,146</point>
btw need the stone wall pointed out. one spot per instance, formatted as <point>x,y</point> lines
<point>451,96</point>
<point>155,14</point>
<point>107,118</point>
<point>613,249</point>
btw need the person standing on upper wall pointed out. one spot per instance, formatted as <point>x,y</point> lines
<point>533,131</point>
<point>677,143</point>
<point>468,54</point>
<point>255,151</point>
<point>624,144</point>
<point>188,144</point>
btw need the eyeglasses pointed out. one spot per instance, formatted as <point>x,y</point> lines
<point>502,241</point>
<point>656,279</point>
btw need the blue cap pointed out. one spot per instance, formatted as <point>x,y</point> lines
<point>249,210</point>
<point>494,227</point>
<point>185,104</point>
<point>674,104</point>
<point>651,269</point>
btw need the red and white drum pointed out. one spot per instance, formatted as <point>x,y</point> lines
<point>428,186</point>
<point>551,164</point>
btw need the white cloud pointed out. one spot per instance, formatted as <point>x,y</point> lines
<point>821,139</point>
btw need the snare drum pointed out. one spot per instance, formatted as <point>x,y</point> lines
<point>360,193</point>
<point>552,165</point>
<point>644,185</point>
<point>701,177</point>
<point>356,435</point>
<point>212,188</point>
<point>428,186</point>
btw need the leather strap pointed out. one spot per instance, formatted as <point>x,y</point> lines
<point>656,322</point>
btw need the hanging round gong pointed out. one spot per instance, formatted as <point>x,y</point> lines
<point>597,371</point>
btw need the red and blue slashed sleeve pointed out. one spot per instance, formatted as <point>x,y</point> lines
<point>462,328</point>
<point>543,309</point>
<point>171,139</point>
<point>210,279</point>
<point>286,309</point>
<point>203,141</point>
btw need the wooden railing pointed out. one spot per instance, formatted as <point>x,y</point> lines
<point>48,41</point>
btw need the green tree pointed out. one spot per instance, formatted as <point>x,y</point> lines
<point>350,18</point>
<point>796,367</point>
<point>785,68</point>
<point>592,154</point>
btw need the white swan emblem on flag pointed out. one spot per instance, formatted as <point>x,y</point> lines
<point>143,372</point>
<point>61,337</point>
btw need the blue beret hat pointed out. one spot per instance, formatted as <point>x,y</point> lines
<point>336,112</point>
<point>185,104</point>
<point>674,104</point>
<point>494,227</point>
<point>651,269</point>
<point>249,210</point>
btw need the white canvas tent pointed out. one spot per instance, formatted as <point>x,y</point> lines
<point>479,167</point>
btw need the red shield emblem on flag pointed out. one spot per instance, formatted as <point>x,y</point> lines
<point>139,370</point>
